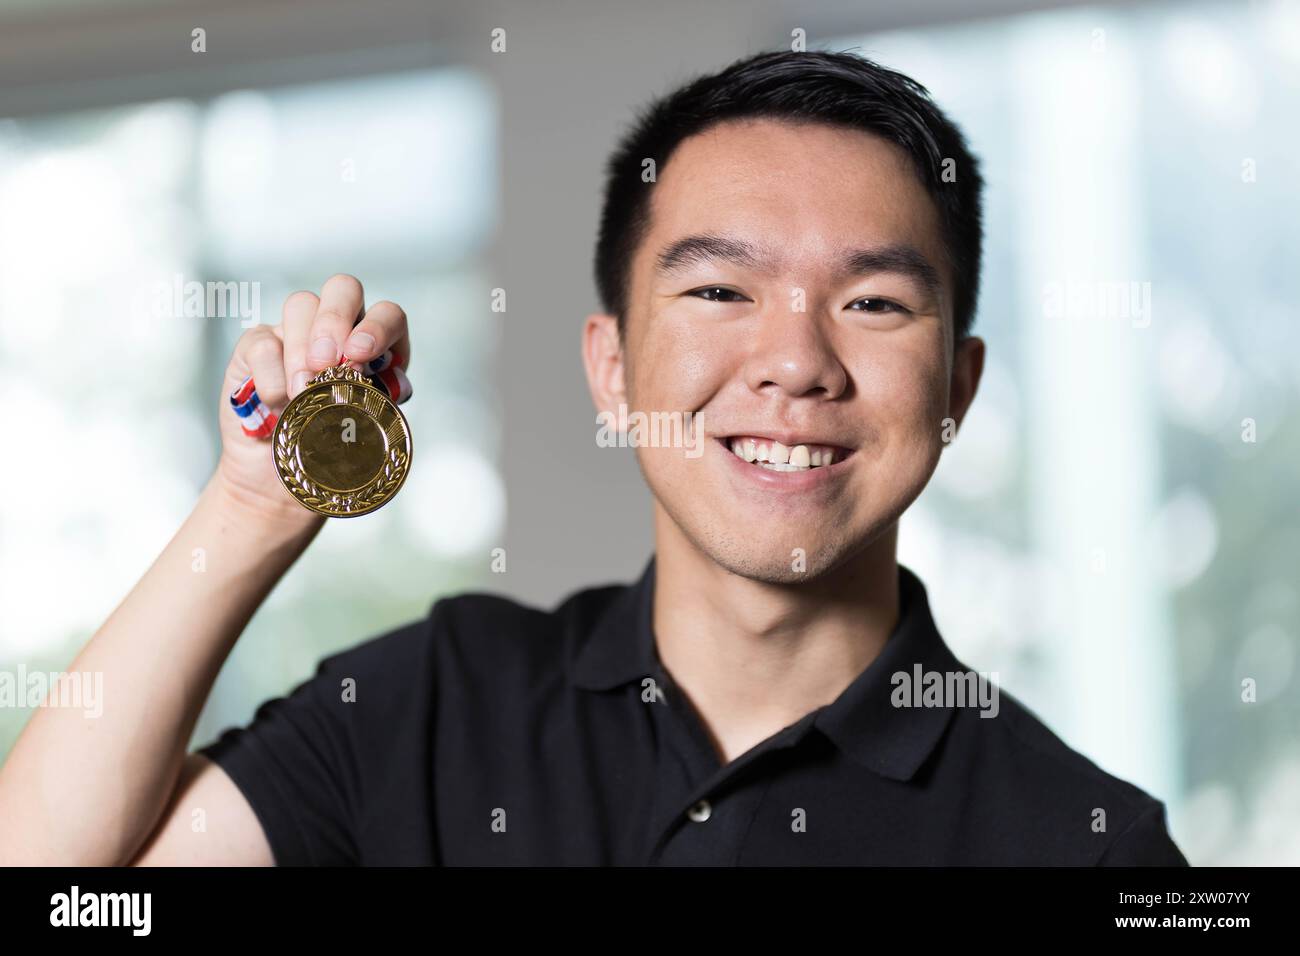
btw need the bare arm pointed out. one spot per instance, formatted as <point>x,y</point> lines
<point>229,836</point>
<point>84,790</point>
<point>81,789</point>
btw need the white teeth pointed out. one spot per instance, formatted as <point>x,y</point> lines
<point>779,457</point>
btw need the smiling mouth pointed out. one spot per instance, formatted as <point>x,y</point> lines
<point>771,455</point>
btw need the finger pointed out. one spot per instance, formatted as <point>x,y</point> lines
<point>296,318</point>
<point>264,356</point>
<point>238,369</point>
<point>255,380</point>
<point>342,303</point>
<point>383,328</point>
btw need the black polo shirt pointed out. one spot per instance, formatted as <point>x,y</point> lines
<point>494,733</point>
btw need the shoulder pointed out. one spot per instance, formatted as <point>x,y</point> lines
<point>1036,753</point>
<point>1077,810</point>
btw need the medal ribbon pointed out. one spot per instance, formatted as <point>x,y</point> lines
<point>258,421</point>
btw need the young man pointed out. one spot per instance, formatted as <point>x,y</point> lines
<point>789,255</point>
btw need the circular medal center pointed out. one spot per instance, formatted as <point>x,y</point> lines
<point>342,448</point>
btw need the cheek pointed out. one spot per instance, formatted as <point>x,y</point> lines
<point>678,366</point>
<point>907,392</point>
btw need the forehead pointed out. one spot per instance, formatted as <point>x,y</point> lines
<point>807,188</point>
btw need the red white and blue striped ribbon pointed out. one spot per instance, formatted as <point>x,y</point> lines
<point>254,417</point>
<point>388,375</point>
<point>258,421</point>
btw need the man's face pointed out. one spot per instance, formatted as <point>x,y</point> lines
<point>792,293</point>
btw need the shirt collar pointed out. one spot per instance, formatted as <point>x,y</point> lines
<point>862,722</point>
<point>621,647</point>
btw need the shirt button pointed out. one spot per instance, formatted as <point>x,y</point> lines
<point>700,812</point>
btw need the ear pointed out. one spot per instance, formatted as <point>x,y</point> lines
<point>967,367</point>
<point>602,356</point>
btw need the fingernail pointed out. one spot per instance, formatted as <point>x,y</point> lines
<point>361,343</point>
<point>299,383</point>
<point>324,350</point>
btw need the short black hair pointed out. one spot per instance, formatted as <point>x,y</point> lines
<point>840,89</point>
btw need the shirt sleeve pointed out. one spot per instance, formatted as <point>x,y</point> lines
<point>307,762</point>
<point>1145,842</point>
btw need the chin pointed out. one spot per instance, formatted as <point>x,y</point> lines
<point>774,562</point>
<point>761,546</point>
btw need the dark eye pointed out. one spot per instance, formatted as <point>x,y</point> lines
<point>872,304</point>
<point>717,294</point>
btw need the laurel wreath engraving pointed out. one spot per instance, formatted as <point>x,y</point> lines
<point>388,479</point>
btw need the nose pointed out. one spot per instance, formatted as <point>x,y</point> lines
<point>793,356</point>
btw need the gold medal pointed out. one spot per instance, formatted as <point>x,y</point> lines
<point>342,448</point>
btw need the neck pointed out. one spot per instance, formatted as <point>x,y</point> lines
<point>755,657</point>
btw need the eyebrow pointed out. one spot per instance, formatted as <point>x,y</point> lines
<point>902,259</point>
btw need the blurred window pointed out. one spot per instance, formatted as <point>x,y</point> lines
<point>109,368</point>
